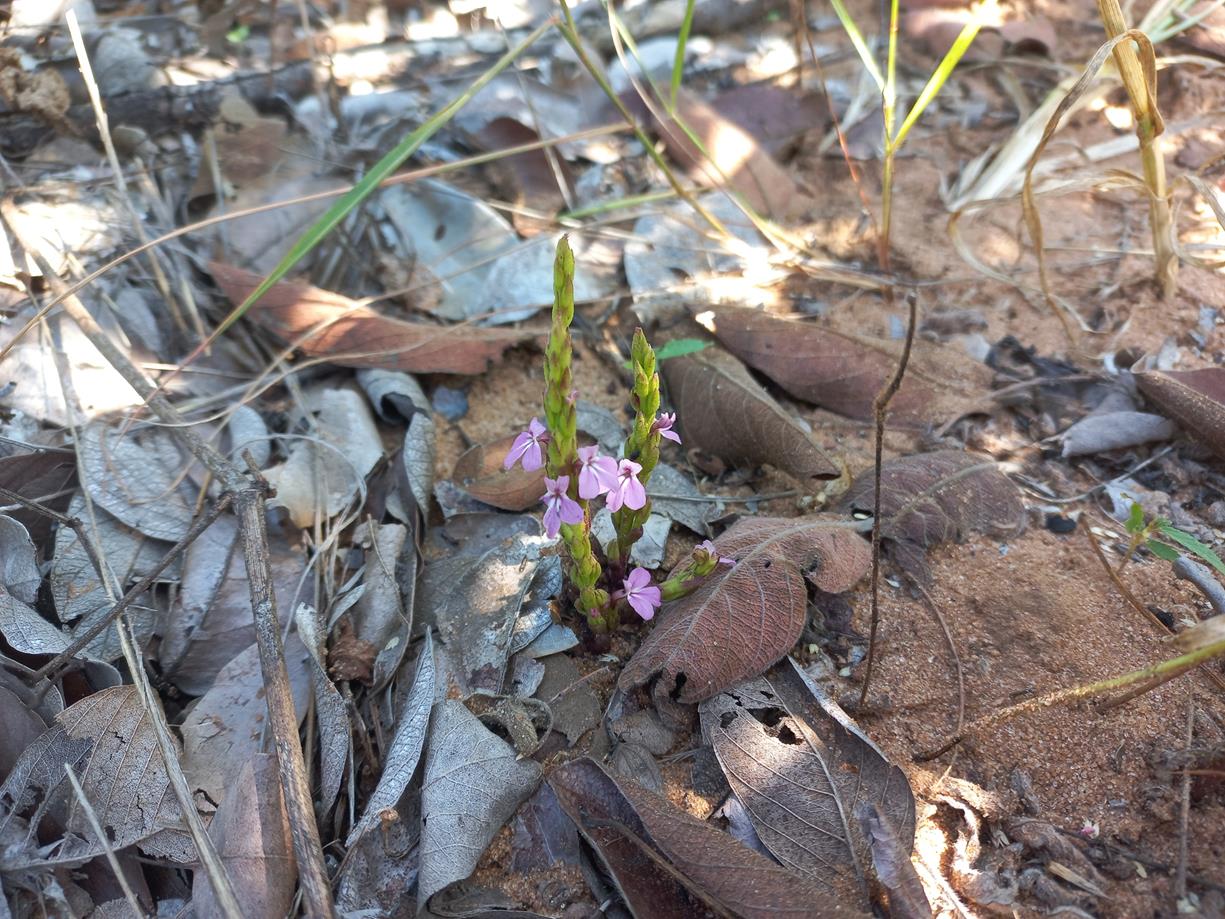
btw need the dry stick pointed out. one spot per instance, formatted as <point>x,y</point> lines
<point>249,496</point>
<point>1184,810</point>
<point>49,669</point>
<point>879,406</point>
<point>948,638</point>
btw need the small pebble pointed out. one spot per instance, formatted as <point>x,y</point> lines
<point>451,404</point>
<point>1057,523</point>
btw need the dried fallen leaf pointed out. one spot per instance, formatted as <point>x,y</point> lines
<point>36,475</point>
<point>843,373</point>
<point>479,472</point>
<point>801,768</point>
<point>136,479</point>
<point>25,630</point>
<point>380,618</point>
<point>325,471</point>
<point>343,331</point>
<point>891,861</point>
<point>109,742</point>
<point>747,616</point>
<point>668,863</point>
<point>1193,398</point>
<point>732,156</point>
<point>471,786</point>
<point>933,498</point>
<point>722,410</point>
<point>543,835</point>
<point>331,711</point>
<point>18,561</point>
<point>400,760</point>
<point>251,832</point>
<point>529,176</point>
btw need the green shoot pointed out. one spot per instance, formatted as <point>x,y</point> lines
<point>678,65</point>
<point>1157,534</point>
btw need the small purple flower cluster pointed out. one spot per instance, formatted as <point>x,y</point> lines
<point>597,475</point>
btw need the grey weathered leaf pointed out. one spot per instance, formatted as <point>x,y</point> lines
<point>251,832</point>
<point>543,835</point>
<point>525,676</point>
<point>107,739</point>
<point>675,496</point>
<point>395,395</point>
<point>324,472</point>
<point>747,616</point>
<point>1098,433</point>
<point>211,621</point>
<point>932,498</point>
<point>891,862</point>
<point>635,762</point>
<point>601,424</point>
<point>225,727</point>
<point>80,597</point>
<point>18,561</point>
<point>472,784</point>
<point>379,617</point>
<point>20,726</point>
<point>722,410</point>
<point>801,767</point>
<point>26,631</point>
<point>473,590</point>
<point>402,755</point>
<point>570,697</point>
<point>136,478</point>
<point>379,872</point>
<point>331,712</point>
<point>648,551</point>
<point>553,640</point>
<point>418,457</point>
<point>247,431</point>
<point>668,863</point>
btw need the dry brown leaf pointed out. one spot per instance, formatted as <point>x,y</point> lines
<point>320,323</point>
<point>735,158</point>
<point>529,176</point>
<point>722,410</point>
<point>670,865</point>
<point>932,498</point>
<point>1193,398</point>
<point>843,373</point>
<point>747,616</point>
<point>479,472</point>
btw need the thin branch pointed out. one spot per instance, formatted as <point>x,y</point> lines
<point>96,825</point>
<point>879,407</point>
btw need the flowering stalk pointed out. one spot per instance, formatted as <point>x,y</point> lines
<point>686,578</point>
<point>562,461</point>
<point>642,446</point>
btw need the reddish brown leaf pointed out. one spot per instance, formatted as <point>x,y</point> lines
<point>735,158</point>
<point>747,616</point>
<point>932,498</point>
<point>774,115</point>
<point>530,176</point>
<point>324,324</point>
<point>1193,398</point>
<point>722,410</point>
<point>479,472</point>
<point>34,475</point>
<point>843,373</point>
<point>670,864</point>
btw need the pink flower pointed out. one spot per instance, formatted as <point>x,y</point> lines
<point>663,424</point>
<point>527,447</point>
<point>640,593</point>
<point>628,491</point>
<point>597,474</point>
<point>559,507</point>
<point>709,548</point>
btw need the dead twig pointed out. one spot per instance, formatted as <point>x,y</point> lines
<point>1184,810</point>
<point>248,495</point>
<point>108,850</point>
<point>880,406</point>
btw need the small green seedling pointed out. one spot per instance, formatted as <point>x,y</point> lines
<point>1156,535</point>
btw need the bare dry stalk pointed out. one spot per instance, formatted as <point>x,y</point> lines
<point>1141,85</point>
<point>249,496</point>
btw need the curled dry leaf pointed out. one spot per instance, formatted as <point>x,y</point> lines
<point>801,768</point>
<point>251,832</point>
<point>843,373</point>
<point>400,761</point>
<point>472,785</point>
<point>932,498</point>
<point>891,862</point>
<point>331,712</point>
<point>380,617</point>
<point>323,324</point>
<point>18,561</point>
<point>670,865</point>
<point>479,472</point>
<point>109,742</point>
<point>721,409</point>
<point>1193,398</point>
<point>747,616</point>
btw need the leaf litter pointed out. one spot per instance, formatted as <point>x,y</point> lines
<point>676,768</point>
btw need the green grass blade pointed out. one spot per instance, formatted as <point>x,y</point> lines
<point>380,171</point>
<point>942,72</point>
<point>857,39</point>
<point>678,65</point>
<point>1193,545</point>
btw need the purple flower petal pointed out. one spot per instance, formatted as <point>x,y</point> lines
<point>571,511</point>
<point>670,435</point>
<point>518,448</point>
<point>643,606</point>
<point>552,520</point>
<point>634,496</point>
<point>637,579</point>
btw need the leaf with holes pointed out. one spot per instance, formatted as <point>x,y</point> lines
<point>722,410</point>
<point>322,324</point>
<point>933,498</point>
<point>670,865</point>
<point>801,768</point>
<point>745,617</point>
<point>843,373</point>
